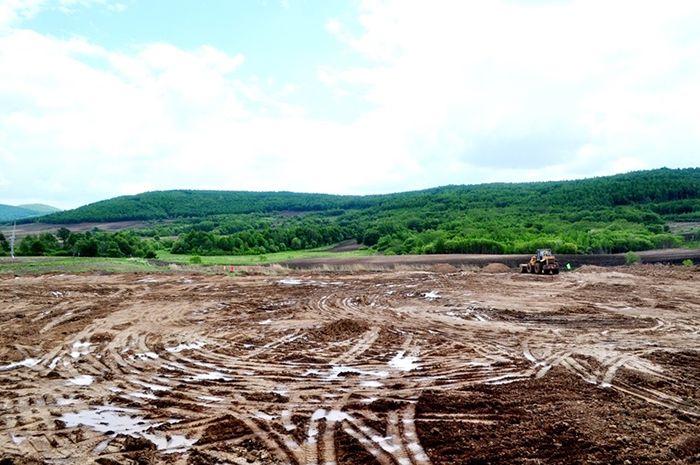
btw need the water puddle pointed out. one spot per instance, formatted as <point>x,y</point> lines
<point>27,362</point>
<point>115,420</point>
<point>403,363</point>
<point>82,380</point>
<point>185,346</point>
<point>211,376</point>
<point>80,348</point>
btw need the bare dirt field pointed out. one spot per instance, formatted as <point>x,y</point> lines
<point>408,368</point>
<point>39,228</point>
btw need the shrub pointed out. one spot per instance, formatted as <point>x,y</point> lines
<point>687,262</point>
<point>631,258</point>
<point>666,241</point>
<point>196,260</point>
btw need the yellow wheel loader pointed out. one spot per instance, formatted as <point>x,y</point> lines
<point>543,262</point>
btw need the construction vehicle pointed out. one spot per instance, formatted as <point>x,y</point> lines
<point>543,262</point>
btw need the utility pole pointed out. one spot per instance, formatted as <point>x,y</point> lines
<point>12,240</point>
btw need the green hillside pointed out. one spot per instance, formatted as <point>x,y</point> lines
<point>11,213</point>
<point>680,187</point>
<point>606,214</point>
<point>196,204</point>
<point>20,212</point>
<point>40,208</point>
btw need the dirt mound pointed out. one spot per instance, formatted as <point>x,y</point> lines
<point>443,268</point>
<point>17,460</point>
<point>132,444</point>
<point>339,330</point>
<point>496,268</point>
<point>222,429</point>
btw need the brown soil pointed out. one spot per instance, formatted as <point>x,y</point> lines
<point>347,246</point>
<point>339,330</point>
<point>39,228</point>
<point>443,268</point>
<point>555,419</point>
<point>596,366</point>
<point>496,268</point>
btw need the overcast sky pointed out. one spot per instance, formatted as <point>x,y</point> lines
<point>100,98</point>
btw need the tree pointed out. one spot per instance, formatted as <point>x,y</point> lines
<point>4,244</point>
<point>63,234</point>
<point>86,247</point>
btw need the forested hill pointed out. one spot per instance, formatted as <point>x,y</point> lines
<point>11,212</point>
<point>620,213</point>
<point>161,205</point>
<point>664,191</point>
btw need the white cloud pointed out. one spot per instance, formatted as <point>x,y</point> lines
<point>85,123</point>
<point>334,26</point>
<point>12,11</point>
<point>450,92</point>
<point>582,87</point>
<point>15,11</point>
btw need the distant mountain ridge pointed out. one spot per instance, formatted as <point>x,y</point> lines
<point>20,212</point>
<point>677,189</point>
<point>40,208</point>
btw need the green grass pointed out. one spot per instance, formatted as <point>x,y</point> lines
<point>39,265</point>
<point>261,259</point>
<point>691,245</point>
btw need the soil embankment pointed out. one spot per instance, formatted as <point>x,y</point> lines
<point>671,256</point>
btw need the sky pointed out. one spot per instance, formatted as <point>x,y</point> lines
<point>100,98</point>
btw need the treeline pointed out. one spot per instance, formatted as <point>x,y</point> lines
<point>613,238</point>
<point>611,214</point>
<point>89,244</point>
<point>267,239</point>
<point>613,231</point>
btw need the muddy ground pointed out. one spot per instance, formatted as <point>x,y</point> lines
<point>595,366</point>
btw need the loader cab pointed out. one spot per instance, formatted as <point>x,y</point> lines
<point>541,253</point>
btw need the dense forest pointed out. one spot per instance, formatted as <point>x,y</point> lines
<point>89,244</point>
<point>607,214</point>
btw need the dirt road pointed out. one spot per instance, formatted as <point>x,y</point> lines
<point>25,229</point>
<point>406,368</point>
